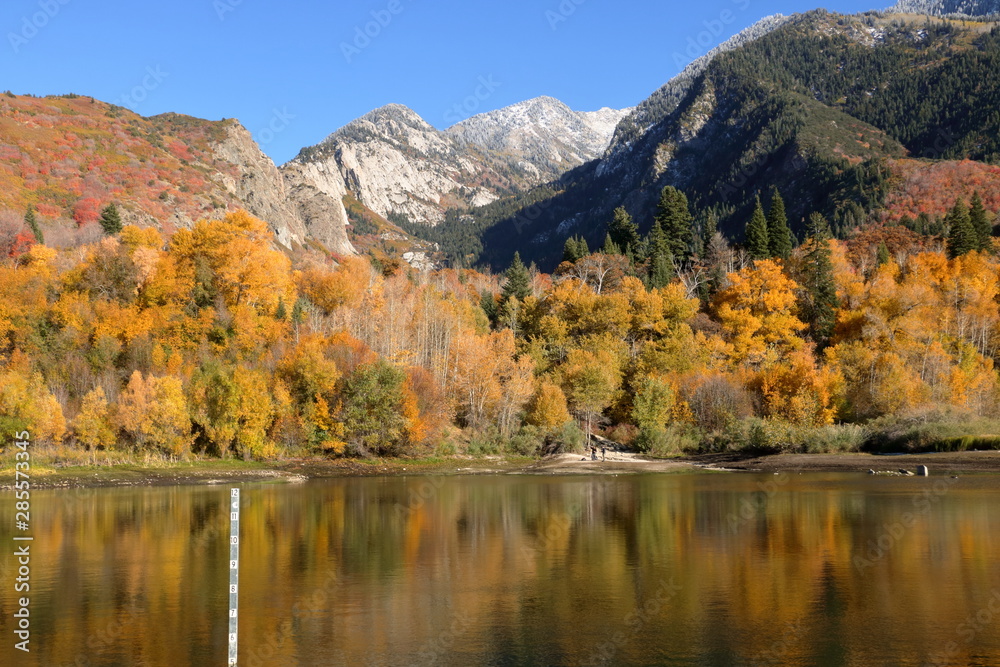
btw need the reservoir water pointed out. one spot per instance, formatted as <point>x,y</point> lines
<point>670,569</point>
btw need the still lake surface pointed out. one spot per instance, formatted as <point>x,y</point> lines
<point>670,569</point>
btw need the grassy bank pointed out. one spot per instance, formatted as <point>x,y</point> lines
<point>59,467</point>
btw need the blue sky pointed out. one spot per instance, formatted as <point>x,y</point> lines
<point>294,71</point>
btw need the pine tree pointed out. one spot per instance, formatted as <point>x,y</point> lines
<point>575,249</point>
<point>820,311</point>
<point>675,219</point>
<point>111,220</point>
<point>962,238</point>
<point>882,255</point>
<point>756,237</point>
<point>711,227</point>
<point>661,271</point>
<point>299,311</point>
<point>656,241</point>
<point>610,247</point>
<point>571,251</point>
<point>923,224</point>
<point>779,236</point>
<point>489,305</point>
<point>623,231</point>
<point>518,280</point>
<point>32,222</point>
<point>281,312</point>
<point>981,222</point>
<point>659,257</point>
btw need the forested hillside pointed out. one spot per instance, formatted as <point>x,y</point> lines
<point>68,157</point>
<point>823,108</point>
<point>212,342</point>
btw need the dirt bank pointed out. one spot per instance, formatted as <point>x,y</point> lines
<point>937,462</point>
<point>617,463</point>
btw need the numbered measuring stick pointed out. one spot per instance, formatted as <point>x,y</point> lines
<point>234,571</point>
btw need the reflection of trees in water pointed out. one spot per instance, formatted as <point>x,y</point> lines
<point>542,568</point>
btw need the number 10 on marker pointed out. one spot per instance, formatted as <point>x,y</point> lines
<point>234,571</point>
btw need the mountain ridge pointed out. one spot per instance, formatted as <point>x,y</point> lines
<point>399,165</point>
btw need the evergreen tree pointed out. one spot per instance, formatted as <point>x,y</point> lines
<point>675,219</point>
<point>111,220</point>
<point>981,223</point>
<point>299,311</point>
<point>656,241</point>
<point>489,305</point>
<point>661,271</point>
<point>756,237</point>
<point>518,280</point>
<point>710,228</point>
<point>882,255</point>
<point>659,257</point>
<point>575,249</point>
<point>610,247</point>
<point>623,231</point>
<point>923,224</point>
<point>281,312</point>
<point>571,250</point>
<point>962,238</point>
<point>32,222</point>
<point>779,236</point>
<point>821,306</point>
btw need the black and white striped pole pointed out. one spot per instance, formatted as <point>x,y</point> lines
<point>234,571</point>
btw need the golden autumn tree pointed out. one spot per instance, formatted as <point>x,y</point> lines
<point>234,411</point>
<point>152,415</point>
<point>92,426</point>
<point>796,390</point>
<point>548,409</point>
<point>490,383</point>
<point>234,258</point>
<point>758,315</point>
<point>311,378</point>
<point>26,404</point>
<point>592,379</point>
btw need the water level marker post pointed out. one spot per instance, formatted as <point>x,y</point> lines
<point>234,571</point>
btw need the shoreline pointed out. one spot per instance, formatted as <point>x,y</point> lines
<point>205,472</point>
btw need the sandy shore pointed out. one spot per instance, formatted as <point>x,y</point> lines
<point>617,463</point>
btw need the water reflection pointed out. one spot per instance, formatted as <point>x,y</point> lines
<point>652,570</point>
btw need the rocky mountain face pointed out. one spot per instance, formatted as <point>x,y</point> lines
<point>69,156</point>
<point>397,164</point>
<point>949,7</point>
<point>547,136</point>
